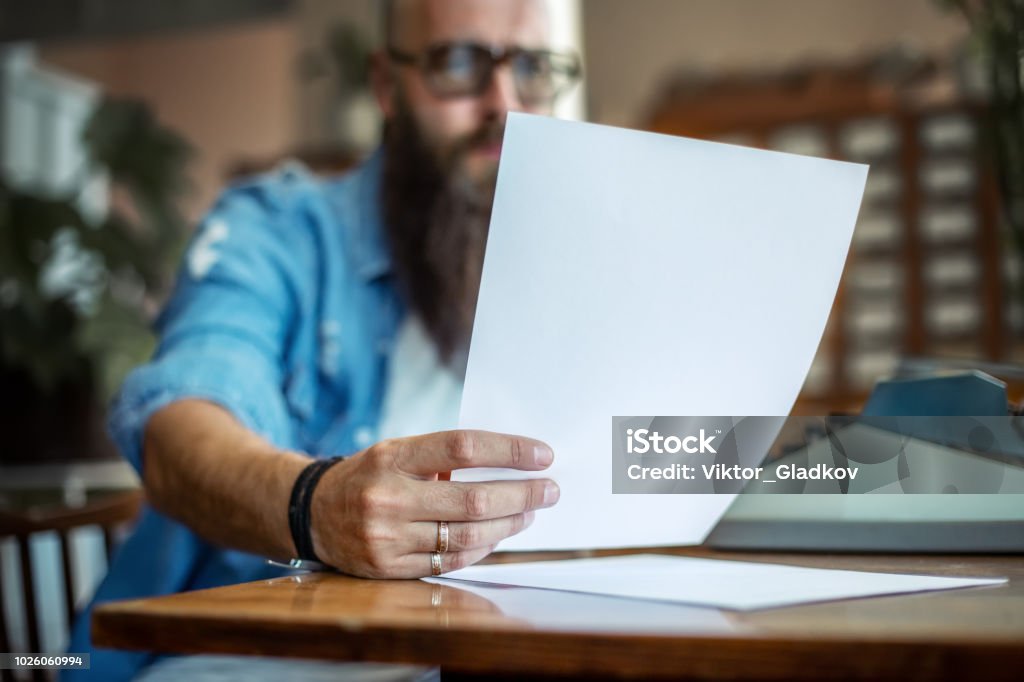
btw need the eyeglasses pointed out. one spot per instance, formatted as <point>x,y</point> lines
<point>463,69</point>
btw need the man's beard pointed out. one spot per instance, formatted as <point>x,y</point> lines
<point>436,221</point>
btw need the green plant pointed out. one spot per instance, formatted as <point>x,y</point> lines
<point>349,50</point>
<point>345,55</point>
<point>76,288</point>
<point>997,28</point>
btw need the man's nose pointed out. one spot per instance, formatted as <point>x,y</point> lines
<point>501,95</point>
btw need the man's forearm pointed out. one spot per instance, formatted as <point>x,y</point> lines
<point>378,514</point>
<point>203,468</point>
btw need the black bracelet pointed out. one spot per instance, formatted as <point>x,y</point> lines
<point>300,506</point>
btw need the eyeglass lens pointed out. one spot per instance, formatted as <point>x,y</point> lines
<point>466,69</point>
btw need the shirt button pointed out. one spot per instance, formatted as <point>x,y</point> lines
<point>364,436</point>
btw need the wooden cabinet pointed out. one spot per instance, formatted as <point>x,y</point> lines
<point>931,269</point>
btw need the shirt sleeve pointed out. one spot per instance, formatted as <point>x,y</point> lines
<point>223,335</point>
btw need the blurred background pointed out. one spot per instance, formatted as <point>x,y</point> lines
<point>120,120</point>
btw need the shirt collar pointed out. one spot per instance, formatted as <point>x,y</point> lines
<point>358,202</point>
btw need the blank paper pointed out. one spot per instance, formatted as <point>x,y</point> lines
<point>629,273</point>
<point>736,585</point>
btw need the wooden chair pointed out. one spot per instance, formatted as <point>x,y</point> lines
<point>108,510</point>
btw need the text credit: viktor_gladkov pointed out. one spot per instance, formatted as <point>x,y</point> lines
<point>646,441</point>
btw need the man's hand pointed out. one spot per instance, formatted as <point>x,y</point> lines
<point>376,514</point>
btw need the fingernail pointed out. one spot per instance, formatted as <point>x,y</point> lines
<point>528,519</point>
<point>551,493</point>
<point>543,455</point>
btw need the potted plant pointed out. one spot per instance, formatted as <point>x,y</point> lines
<point>997,29</point>
<point>77,289</point>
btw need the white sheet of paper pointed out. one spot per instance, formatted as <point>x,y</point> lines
<point>581,612</point>
<point>629,273</point>
<point>736,585</point>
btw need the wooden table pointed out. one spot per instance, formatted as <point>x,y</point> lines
<point>969,634</point>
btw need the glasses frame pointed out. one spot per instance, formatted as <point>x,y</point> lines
<point>498,56</point>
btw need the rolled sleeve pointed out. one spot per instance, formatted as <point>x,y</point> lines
<point>225,332</point>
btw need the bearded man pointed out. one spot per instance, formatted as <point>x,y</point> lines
<point>320,327</point>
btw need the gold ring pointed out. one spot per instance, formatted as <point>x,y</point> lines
<point>442,536</point>
<point>435,563</point>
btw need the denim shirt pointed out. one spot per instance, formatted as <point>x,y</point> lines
<point>284,313</point>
